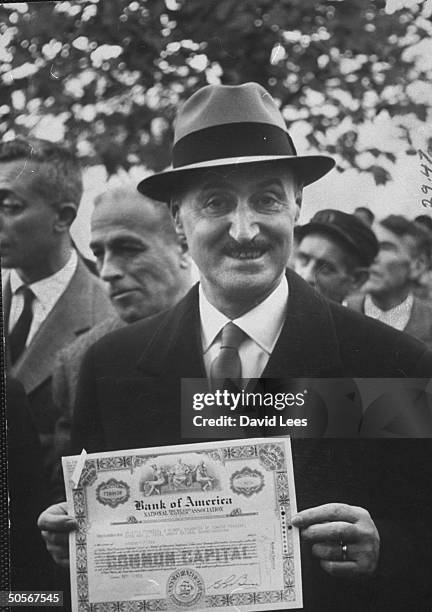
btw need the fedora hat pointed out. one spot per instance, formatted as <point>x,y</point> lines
<point>226,125</point>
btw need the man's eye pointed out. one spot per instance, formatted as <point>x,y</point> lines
<point>217,204</point>
<point>131,248</point>
<point>301,259</point>
<point>326,269</point>
<point>268,201</point>
<point>11,207</point>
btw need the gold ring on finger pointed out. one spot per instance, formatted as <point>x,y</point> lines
<point>344,551</point>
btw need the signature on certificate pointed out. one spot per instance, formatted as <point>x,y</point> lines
<point>233,580</point>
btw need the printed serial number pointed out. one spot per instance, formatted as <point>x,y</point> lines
<point>31,598</point>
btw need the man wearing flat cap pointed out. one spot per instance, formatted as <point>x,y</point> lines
<point>235,191</point>
<point>334,253</point>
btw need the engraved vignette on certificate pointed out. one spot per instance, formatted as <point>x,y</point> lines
<point>199,526</point>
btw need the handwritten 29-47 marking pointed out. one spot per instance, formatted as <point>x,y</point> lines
<point>426,170</point>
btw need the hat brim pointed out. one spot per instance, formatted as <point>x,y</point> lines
<point>308,169</point>
<point>333,230</point>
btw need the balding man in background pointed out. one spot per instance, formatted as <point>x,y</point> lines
<point>49,296</point>
<point>145,269</point>
<point>388,295</point>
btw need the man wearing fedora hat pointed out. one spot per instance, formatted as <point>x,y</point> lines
<point>235,192</point>
<point>334,253</point>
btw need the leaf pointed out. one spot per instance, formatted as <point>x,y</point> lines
<point>390,156</point>
<point>381,175</point>
<point>375,152</point>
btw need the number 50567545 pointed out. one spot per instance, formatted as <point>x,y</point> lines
<point>31,598</point>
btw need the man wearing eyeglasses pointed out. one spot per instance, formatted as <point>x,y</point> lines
<point>49,296</point>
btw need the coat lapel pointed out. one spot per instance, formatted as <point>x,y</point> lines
<point>175,351</point>
<point>71,316</point>
<point>307,345</point>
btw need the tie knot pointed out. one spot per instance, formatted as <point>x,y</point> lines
<point>27,294</point>
<point>232,336</point>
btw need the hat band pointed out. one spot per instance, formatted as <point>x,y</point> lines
<point>232,140</point>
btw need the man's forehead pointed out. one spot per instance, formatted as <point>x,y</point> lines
<point>14,173</point>
<point>384,234</point>
<point>320,244</point>
<point>237,176</point>
<point>111,235</point>
<point>124,213</point>
<point>404,245</point>
<point>110,225</point>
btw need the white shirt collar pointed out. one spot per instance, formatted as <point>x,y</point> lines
<point>49,289</point>
<point>262,324</point>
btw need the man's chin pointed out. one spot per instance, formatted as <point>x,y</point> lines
<point>372,288</point>
<point>251,288</point>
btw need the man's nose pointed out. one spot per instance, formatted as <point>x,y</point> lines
<point>244,224</point>
<point>110,269</point>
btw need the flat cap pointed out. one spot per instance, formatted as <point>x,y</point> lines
<point>347,230</point>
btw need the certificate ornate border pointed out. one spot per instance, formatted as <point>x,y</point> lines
<point>271,456</point>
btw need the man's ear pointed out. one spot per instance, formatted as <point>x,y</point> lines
<point>298,201</point>
<point>175,211</point>
<point>185,260</point>
<point>181,236</point>
<point>418,266</point>
<point>184,249</point>
<point>359,277</point>
<point>66,213</point>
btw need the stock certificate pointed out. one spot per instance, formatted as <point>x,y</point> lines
<point>197,526</point>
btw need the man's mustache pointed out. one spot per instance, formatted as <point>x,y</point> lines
<point>257,244</point>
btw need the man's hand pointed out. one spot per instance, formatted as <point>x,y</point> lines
<point>55,525</point>
<point>343,537</point>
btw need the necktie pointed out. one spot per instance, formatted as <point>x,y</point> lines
<point>18,336</point>
<point>227,364</point>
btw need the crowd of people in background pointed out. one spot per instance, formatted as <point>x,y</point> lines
<point>379,268</point>
<point>56,303</point>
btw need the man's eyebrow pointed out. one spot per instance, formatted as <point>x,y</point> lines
<point>117,239</point>
<point>6,192</point>
<point>231,185</point>
<point>324,262</point>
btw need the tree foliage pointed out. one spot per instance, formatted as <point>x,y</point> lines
<point>114,72</point>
